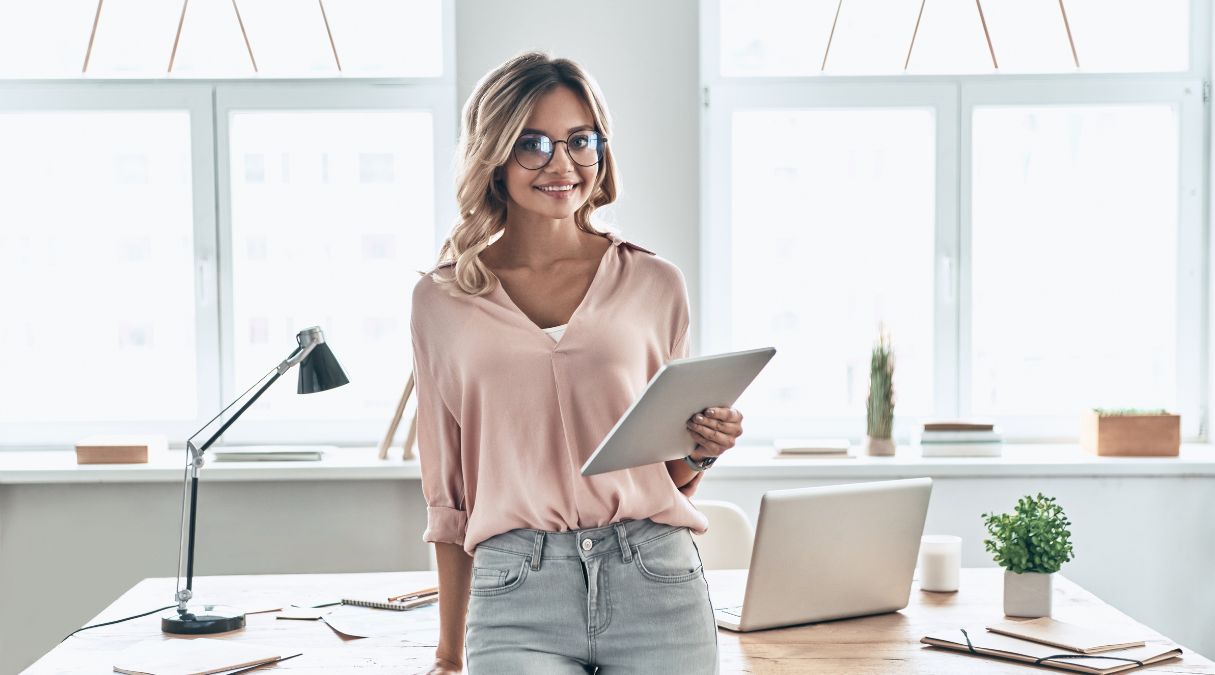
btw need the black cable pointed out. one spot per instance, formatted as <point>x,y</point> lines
<point>107,623</point>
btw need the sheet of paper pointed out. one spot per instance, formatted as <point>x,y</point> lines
<point>185,656</point>
<point>419,625</point>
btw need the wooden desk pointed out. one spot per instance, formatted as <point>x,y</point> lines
<point>881,644</point>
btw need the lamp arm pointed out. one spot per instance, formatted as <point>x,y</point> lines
<point>296,356</point>
<point>190,489</point>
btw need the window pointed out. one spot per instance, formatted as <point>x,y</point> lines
<point>221,38</point>
<point>322,237</point>
<point>167,240</point>
<point>768,38</point>
<point>96,260</point>
<point>1017,234</point>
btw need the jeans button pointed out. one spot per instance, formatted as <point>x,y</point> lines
<point>587,544</point>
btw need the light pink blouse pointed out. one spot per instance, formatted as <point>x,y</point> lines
<point>507,416</point>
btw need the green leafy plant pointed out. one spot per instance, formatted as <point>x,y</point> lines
<point>879,407</point>
<point>1033,538</point>
<point>1114,412</point>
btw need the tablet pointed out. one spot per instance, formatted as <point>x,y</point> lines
<point>654,429</point>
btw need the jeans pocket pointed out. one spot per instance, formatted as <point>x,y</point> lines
<point>670,558</point>
<point>496,572</point>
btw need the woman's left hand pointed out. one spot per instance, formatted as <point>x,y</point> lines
<point>714,430</point>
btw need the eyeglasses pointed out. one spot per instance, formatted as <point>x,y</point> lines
<point>534,151</point>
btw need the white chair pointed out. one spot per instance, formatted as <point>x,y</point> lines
<point>727,544</point>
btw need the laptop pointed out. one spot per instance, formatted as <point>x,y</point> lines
<point>832,552</point>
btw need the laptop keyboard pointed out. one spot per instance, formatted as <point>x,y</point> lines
<point>733,611</point>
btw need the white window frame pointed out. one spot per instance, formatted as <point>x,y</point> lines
<point>209,102</point>
<point>953,100</point>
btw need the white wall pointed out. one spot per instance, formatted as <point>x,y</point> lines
<point>645,56</point>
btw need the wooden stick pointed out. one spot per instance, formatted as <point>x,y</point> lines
<point>986,34</point>
<point>1067,26</point>
<point>245,35</point>
<point>92,34</point>
<point>411,436</point>
<point>177,38</point>
<point>396,421</point>
<point>914,32</point>
<point>332,44</point>
<point>832,35</point>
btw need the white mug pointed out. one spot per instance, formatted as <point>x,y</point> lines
<point>940,562</point>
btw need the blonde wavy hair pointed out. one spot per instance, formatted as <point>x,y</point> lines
<point>493,118</point>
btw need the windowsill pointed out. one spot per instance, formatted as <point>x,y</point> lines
<point>743,462</point>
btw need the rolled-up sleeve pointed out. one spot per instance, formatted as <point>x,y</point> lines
<point>438,452</point>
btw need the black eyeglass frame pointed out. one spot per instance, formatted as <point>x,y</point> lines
<point>602,149</point>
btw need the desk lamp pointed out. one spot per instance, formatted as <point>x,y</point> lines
<point>319,371</point>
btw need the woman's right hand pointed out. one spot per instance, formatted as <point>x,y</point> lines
<point>444,666</point>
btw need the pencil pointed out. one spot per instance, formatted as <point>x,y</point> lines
<point>415,594</point>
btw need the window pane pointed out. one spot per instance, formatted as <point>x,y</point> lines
<point>832,232</point>
<point>1075,262</point>
<point>332,213</point>
<point>388,37</point>
<point>97,260</point>
<point>787,37</point>
<point>39,39</point>
<point>134,38</point>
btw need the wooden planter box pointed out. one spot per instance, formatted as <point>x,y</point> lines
<point>1131,435</point>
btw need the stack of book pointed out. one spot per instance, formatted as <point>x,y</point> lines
<point>960,439</point>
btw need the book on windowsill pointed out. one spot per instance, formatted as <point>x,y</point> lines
<point>823,448</point>
<point>989,449</point>
<point>271,453</point>
<point>958,425</point>
<point>960,436</point>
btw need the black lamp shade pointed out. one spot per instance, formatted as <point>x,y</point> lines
<point>320,371</point>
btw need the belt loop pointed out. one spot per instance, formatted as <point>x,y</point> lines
<point>624,543</point>
<point>537,550</point>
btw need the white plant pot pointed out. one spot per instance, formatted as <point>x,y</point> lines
<point>879,447</point>
<point>1028,594</point>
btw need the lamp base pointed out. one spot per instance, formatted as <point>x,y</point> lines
<point>203,619</point>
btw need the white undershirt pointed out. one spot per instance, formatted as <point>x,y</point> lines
<point>555,332</point>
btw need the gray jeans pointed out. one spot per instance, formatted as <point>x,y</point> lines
<point>630,597</point>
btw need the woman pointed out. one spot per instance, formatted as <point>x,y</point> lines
<point>526,352</point>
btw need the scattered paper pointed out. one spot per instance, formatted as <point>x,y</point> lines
<point>419,625</point>
<point>197,656</point>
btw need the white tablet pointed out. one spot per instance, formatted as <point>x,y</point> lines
<point>654,428</point>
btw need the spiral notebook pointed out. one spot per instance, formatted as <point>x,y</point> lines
<point>399,606</point>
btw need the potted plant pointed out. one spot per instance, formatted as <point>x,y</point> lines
<point>879,407</point>
<point>1131,432</point>
<point>1031,544</point>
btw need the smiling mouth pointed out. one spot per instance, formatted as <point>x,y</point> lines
<point>557,189</point>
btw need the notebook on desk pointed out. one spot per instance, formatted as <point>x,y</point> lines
<point>975,641</point>
<point>1070,636</point>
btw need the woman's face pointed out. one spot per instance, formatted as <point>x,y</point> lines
<point>558,189</point>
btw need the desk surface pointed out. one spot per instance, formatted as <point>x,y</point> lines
<point>887,643</point>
